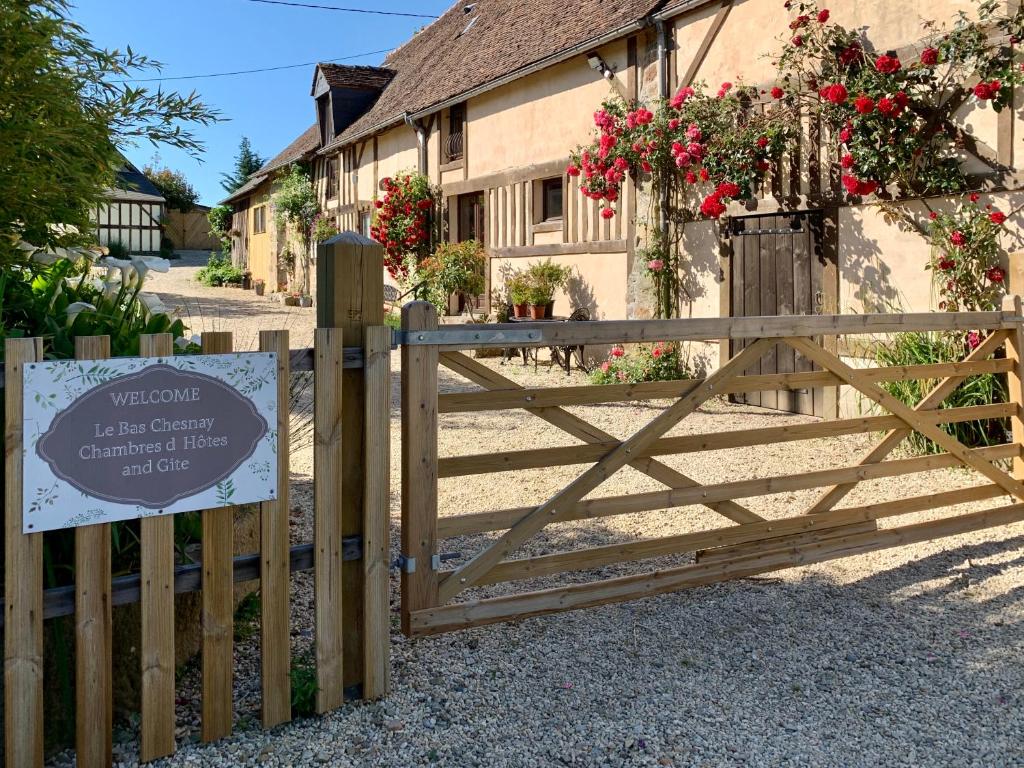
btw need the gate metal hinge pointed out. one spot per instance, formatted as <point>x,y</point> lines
<point>404,564</point>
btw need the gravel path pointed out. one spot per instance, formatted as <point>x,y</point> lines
<point>903,657</point>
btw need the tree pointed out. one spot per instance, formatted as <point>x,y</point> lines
<point>247,162</point>
<point>65,112</point>
<point>180,195</point>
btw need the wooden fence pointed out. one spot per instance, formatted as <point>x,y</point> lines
<point>350,361</point>
<point>751,543</point>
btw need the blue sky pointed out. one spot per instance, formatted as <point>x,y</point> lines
<point>192,37</point>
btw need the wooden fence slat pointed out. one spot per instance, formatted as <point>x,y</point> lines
<point>327,492</point>
<point>23,581</point>
<point>218,599</point>
<point>377,512</point>
<point>157,606</point>
<point>275,574</point>
<point>94,689</point>
<point>419,462</point>
<point>518,606</point>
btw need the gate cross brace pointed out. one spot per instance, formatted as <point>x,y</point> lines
<point>558,505</point>
<point>583,430</point>
<point>896,407</point>
<point>896,436</point>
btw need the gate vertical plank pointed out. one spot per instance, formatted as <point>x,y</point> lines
<point>419,462</point>
<point>275,573</point>
<point>1015,352</point>
<point>327,532</point>
<point>157,581</point>
<point>377,511</point>
<point>94,696</point>
<point>23,582</point>
<point>218,599</point>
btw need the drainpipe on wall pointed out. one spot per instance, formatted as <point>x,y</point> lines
<point>421,142</point>
<point>662,31</point>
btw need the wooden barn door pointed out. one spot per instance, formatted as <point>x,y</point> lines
<point>778,269</point>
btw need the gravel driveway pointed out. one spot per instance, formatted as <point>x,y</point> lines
<point>904,657</point>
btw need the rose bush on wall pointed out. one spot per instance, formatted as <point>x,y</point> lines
<point>402,223</point>
<point>892,115</point>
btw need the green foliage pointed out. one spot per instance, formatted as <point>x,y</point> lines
<point>247,616</point>
<point>180,195</point>
<point>455,268</point>
<point>544,278</point>
<point>304,685</point>
<point>219,217</point>
<point>927,348</point>
<point>247,162</point>
<point>219,271</point>
<point>393,320</point>
<point>65,112</point>
<point>517,285</point>
<point>295,202</point>
<point>323,228</point>
<point>660,362</point>
<point>118,250</point>
<point>967,256</point>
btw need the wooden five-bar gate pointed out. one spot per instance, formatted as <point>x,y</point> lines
<point>434,597</point>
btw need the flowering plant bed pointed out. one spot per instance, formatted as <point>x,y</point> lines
<point>662,361</point>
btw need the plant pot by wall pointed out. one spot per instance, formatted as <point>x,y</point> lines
<point>260,287</point>
<point>305,301</point>
<point>291,301</point>
<point>521,310</point>
<point>246,280</point>
<point>549,309</point>
<point>537,311</point>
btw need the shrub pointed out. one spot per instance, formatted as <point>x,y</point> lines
<point>544,279</point>
<point>663,361</point>
<point>117,250</point>
<point>219,271</point>
<point>402,222</point>
<point>926,348</point>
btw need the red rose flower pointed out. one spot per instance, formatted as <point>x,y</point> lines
<point>799,21</point>
<point>995,274</point>
<point>933,215</point>
<point>691,177</point>
<point>846,161</point>
<point>618,351</point>
<point>997,217</point>
<point>378,203</point>
<point>712,207</point>
<point>973,197</point>
<point>836,93</point>
<point>887,106</point>
<point>930,57</point>
<point>958,239</point>
<point>573,170</point>
<point>983,91</point>
<point>823,15</point>
<point>850,55</point>
<point>864,104</point>
<point>607,213</point>
<point>777,93</point>
<point>424,204</point>
<point>846,134</point>
<point>704,174</point>
<point>797,41</point>
<point>946,264</point>
<point>887,64</point>
<point>727,189</point>
<point>762,142</point>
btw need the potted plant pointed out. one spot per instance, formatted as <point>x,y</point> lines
<point>260,286</point>
<point>246,280</point>
<point>518,287</point>
<point>305,301</point>
<point>539,297</point>
<point>545,278</point>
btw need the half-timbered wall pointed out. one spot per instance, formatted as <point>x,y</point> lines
<point>136,225</point>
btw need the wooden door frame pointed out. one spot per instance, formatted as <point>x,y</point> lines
<point>828,242</point>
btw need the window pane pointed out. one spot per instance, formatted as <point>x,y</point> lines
<point>552,199</point>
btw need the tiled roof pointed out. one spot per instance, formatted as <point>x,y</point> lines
<point>347,76</point>
<point>473,44</point>
<point>308,141</point>
<point>254,181</point>
<point>132,183</point>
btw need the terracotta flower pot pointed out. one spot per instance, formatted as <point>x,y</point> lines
<point>537,311</point>
<point>521,310</point>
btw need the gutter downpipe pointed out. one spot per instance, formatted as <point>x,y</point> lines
<point>421,142</point>
<point>663,87</point>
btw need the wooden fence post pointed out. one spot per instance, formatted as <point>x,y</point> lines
<point>218,599</point>
<point>94,687</point>
<point>23,582</point>
<point>1015,352</point>
<point>419,463</point>
<point>157,581</point>
<point>350,297</point>
<point>275,573</point>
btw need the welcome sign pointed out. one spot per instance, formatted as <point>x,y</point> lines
<point>124,438</point>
